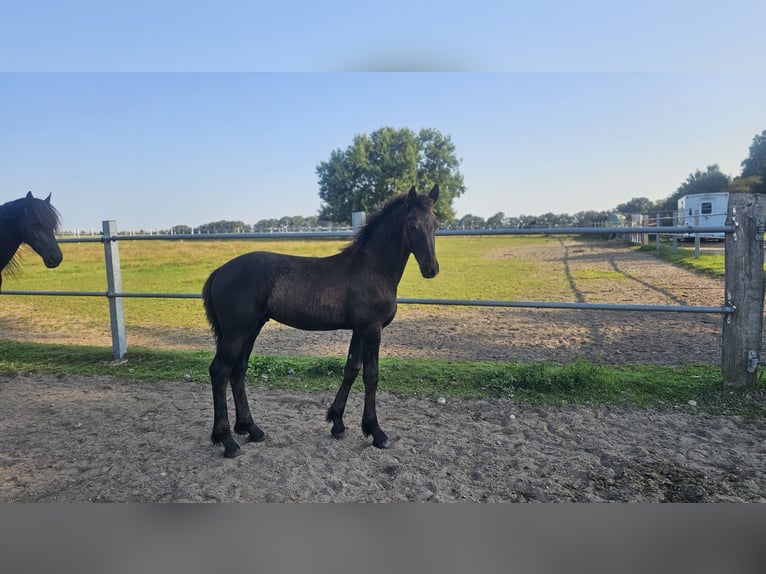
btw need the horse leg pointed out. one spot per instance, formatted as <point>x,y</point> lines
<point>370,426</point>
<point>350,371</point>
<point>244,423</point>
<point>220,372</point>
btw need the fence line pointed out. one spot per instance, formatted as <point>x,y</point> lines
<point>652,229</point>
<point>741,303</point>
<point>111,237</point>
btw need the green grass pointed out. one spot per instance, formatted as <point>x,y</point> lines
<point>712,264</point>
<point>490,267</point>
<point>580,382</point>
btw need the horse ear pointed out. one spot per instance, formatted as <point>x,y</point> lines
<point>411,197</point>
<point>434,193</point>
<point>48,199</point>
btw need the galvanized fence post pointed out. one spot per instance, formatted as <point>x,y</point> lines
<point>358,218</point>
<point>744,282</point>
<point>675,237</point>
<point>114,285</point>
<point>657,235</point>
<point>696,235</point>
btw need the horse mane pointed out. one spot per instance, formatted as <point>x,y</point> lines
<point>46,214</point>
<point>11,268</point>
<point>362,236</point>
<point>10,212</point>
<point>389,209</point>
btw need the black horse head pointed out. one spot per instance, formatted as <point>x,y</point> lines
<point>420,230</point>
<point>32,221</point>
<point>37,227</point>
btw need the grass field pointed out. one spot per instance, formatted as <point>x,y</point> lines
<point>472,268</point>
<point>712,264</point>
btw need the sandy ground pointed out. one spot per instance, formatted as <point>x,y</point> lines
<point>94,439</point>
<point>103,439</point>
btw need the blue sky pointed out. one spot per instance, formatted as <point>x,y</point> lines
<point>334,35</point>
<point>134,113</point>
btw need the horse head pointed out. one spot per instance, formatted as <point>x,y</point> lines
<point>37,227</point>
<point>420,230</point>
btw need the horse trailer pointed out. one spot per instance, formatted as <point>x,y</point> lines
<point>709,207</point>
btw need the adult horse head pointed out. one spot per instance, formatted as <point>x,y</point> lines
<point>354,289</point>
<point>32,221</point>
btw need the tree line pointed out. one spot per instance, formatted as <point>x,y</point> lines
<point>376,166</point>
<point>752,179</point>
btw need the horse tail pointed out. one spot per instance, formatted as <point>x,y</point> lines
<point>207,300</point>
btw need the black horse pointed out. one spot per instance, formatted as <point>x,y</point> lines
<point>354,289</point>
<point>34,222</point>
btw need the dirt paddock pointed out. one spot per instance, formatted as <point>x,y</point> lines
<point>105,439</point>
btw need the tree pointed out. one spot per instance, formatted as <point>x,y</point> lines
<point>224,226</point>
<point>636,205</point>
<point>497,221</point>
<point>748,184</point>
<point>470,221</point>
<point>264,225</point>
<point>754,166</point>
<point>385,163</point>
<point>709,181</point>
<point>439,164</point>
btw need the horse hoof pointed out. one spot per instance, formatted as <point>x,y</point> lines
<point>338,429</point>
<point>257,435</point>
<point>232,452</point>
<point>231,448</point>
<point>382,444</point>
<point>339,434</point>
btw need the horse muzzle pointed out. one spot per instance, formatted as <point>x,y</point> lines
<point>53,260</point>
<point>429,270</point>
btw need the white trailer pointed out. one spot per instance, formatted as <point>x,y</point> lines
<point>711,209</point>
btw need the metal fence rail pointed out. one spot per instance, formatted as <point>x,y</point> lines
<point>652,229</point>
<point>704,309</point>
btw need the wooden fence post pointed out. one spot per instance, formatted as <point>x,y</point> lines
<point>114,285</point>
<point>743,289</point>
